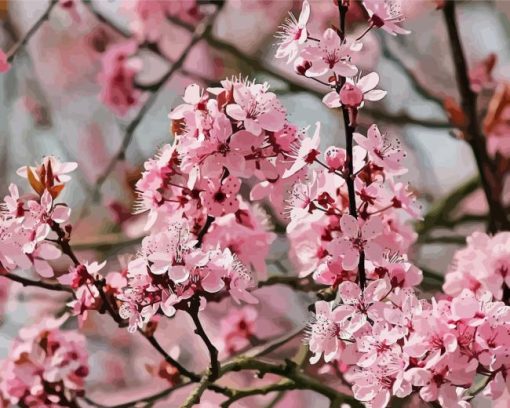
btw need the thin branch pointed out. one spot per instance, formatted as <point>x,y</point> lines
<point>213,351</point>
<point>492,183</point>
<point>40,284</point>
<point>284,385</point>
<point>416,82</point>
<point>199,33</point>
<point>29,34</point>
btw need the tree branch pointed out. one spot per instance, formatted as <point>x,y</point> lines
<point>29,34</point>
<point>213,351</point>
<point>491,181</point>
<point>40,284</point>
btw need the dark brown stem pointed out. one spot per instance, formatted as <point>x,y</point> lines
<point>204,230</point>
<point>29,282</point>
<point>349,134</point>
<point>491,181</point>
<point>213,351</point>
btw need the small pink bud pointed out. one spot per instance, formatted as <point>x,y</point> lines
<point>351,96</point>
<point>301,66</point>
<point>335,157</point>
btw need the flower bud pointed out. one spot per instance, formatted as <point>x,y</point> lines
<point>351,96</point>
<point>335,157</point>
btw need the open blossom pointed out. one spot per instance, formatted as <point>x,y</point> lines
<point>45,366</point>
<point>238,328</point>
<point>353,93</point>
<point>221,197</point>
<point>327,329</point>
<point>293,33</point>
<point>256,108</point>
<point>386,14</point>
<point>384,154</point>
<point>116,78</point>
<point>329,55</point>
<point>357,236</point>
<point>306,153</point>
<point>483,265</point>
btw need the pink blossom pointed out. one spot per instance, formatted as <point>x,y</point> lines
<point>256,108</point>
<point>329,55</point>
<point>117,76</point>
<point>306,152</point>
<point>386,14</point>
<point>326,331</point>
<point>380,151</point>
<point>293,33</point>
<point>357,236</point>
<point>221,197</point>
<point>238,328</point>
<point>44,363</point>
<point>335,157</point>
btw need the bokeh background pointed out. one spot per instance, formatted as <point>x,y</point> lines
<point>50,105</point>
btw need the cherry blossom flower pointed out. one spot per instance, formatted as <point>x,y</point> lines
<point>256,108</point>
<point>353,93</point>
<point>357,236</point>
<point>380,151</point>
<point>329,55</point>
<point>238,328</point>
<point>117,76</point>
<point>326,330</point>
<point>386,14</point>
<point>293,33</point>
<point>335,157</point>
<point>44,364</point>
<point>221,197</point>
<point>306,153</point>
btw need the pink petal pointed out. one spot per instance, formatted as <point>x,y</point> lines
<point>236,112</point>
<point>375,95</point>
<point>332,100</point>
<point>368,82</point>
<point>349,226</point>
<point>372,228</point>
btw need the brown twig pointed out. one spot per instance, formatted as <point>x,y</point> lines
<point>40,284</point>
<point>29,34</point>
<point>491,181</point>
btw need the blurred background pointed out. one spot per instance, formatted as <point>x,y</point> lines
<point>50,105</point>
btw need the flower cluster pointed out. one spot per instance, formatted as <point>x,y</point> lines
<point>28,221</point>
<point>483,265</point>
<point>170,269</point>
<point>46,366</point>
<point>391,343</point>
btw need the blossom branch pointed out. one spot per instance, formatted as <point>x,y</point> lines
<point>343,8</point>
<point>40,284</point>
<point>29,34</point>
<point>200,32</point>
<point>199,330</point>
<point>491,181</point>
